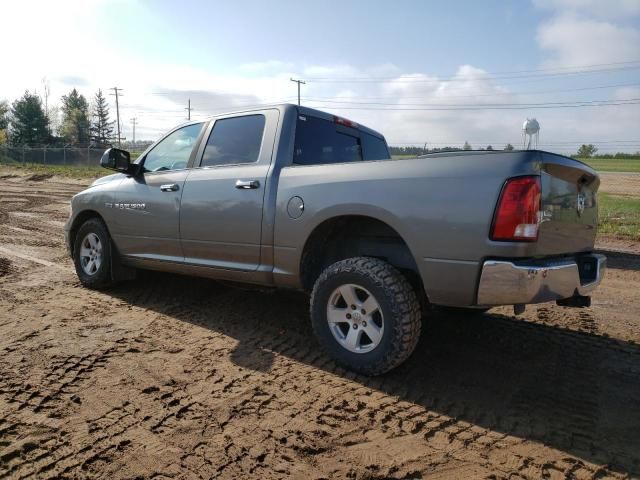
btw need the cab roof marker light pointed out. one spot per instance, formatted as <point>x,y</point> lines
<point>344,121</point>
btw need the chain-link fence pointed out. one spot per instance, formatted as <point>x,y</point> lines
<point>80,156</point>
<point>84,156</point>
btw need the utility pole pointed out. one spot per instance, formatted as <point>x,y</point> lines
<point>298,82</point>
<point>188,109</point>
<point>133,121</point>
<point>117,94</point>
<point>45,85</point>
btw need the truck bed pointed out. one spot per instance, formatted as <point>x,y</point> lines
<point>443,205</point>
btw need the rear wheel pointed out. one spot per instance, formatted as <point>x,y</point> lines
<point>366,315</point>
<point>92,254</point>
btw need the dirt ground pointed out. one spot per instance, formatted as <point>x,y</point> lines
<point>625,184</point>
<point>173,377</point>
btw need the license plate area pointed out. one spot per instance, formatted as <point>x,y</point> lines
<point>587,269</point>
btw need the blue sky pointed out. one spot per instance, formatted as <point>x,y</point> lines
<point>228,54</point>
<point>414,35</point>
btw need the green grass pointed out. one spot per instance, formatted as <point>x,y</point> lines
<point>619,216</point>
<point>613,164</point>
<point>67,171</point>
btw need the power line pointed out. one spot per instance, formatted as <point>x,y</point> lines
<point>606,103</point>
<point>553,69</point>
<point>117,93</point>
<point>479,104</point>
<point>418,78</point>
<point>496,94</point>
<point>404,80</point>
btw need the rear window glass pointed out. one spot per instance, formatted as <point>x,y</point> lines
<point>321,141</point>
<point>374,148</point>
<point>234,140</point>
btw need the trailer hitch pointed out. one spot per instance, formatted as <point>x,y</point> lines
<point>577,301</point>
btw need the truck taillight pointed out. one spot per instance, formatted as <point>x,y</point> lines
<point>517,216</point>
<point>344,121</point>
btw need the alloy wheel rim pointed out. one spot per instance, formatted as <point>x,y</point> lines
<point>355,318</point>
<point>91,254</point>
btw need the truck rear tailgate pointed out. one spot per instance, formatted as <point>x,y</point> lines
<point>569,206</point>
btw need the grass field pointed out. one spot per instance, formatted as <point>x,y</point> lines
<point>613,164</point>
<point>67,171</point>
<point>619,216</point>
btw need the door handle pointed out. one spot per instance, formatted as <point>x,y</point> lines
<point>247,184</point>
<point>169,187</point>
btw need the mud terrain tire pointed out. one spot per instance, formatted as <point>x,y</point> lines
<point>101,277</point>
<point>398,305</point>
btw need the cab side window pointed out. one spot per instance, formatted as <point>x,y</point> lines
<point>234,141</point>
<point>173,152</point>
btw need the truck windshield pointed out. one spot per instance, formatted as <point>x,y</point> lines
<point>320,141</point>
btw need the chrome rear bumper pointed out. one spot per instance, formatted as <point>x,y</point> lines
<point>511,283</point>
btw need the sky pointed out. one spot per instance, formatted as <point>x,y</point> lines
<point>435,72</point>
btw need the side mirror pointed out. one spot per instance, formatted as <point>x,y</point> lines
<point>116,159</point>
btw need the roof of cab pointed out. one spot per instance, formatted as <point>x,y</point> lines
<point>301,110</point>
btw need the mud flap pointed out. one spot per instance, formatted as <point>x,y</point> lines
<point>120,272</point>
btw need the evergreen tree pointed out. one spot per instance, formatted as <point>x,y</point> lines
<point>28,121</point>
<point>489,147</point>
<point>4,121</point>
<point>102,127</point>
<point>75,118</point>
<point>508,147</point>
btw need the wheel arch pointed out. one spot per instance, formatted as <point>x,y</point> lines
<point>356,235</point>
<point>79,220</point>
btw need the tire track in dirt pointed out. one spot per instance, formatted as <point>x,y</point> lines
<point>5,266</point>
<point>388,413</point>
<point>184,378</point>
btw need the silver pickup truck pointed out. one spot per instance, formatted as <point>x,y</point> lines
<point>291,197</point>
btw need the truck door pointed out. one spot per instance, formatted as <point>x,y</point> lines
<point>221,206</point>
<point>146,219</point>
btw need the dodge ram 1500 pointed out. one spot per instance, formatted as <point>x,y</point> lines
<point>291,197</point>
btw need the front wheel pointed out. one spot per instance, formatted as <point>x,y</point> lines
<point>92,254</point>
<point>366,315</point>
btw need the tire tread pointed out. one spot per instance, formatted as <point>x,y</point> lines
<point>404,304</point>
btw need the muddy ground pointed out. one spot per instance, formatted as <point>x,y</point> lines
<point>172,377</point>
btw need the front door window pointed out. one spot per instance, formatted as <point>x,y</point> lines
<point>173,152</point>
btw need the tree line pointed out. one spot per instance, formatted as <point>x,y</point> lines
<point>27,122</point>
<point>584,151</point>
<point>423,150</point>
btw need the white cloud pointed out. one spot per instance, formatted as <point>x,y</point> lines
<point>157,92</point>
<point>598,8</point>
<point>573,41</point>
